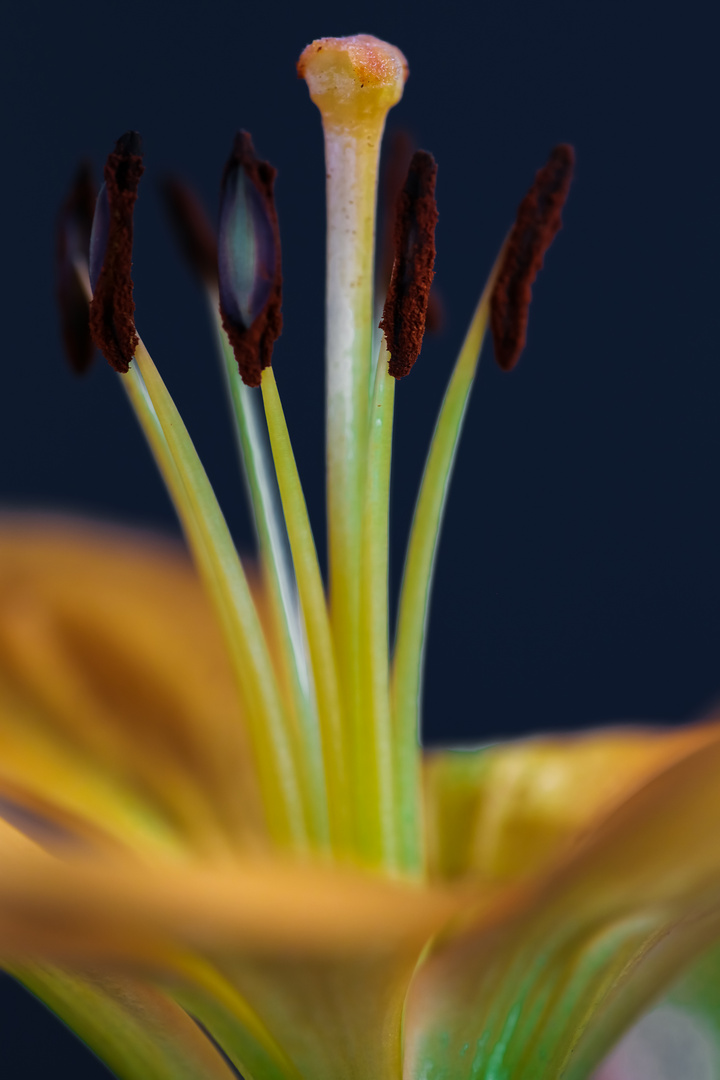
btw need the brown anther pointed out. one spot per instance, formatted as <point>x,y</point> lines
<point>192,227</point>
<point>112,310</point>
<point>435,314</point>
<point>74,226</point>
<point>252,319</point>
<point>395,163</point>
<point>397,154</point>
<point>538,221</point>
<point>403,319</point>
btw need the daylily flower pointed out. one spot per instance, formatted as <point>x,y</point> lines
<point>221,845</point>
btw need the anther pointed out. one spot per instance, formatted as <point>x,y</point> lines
<point>397,153</point>
<point>112,322</point>
<point>72,253</point>
<point>192,228</point>
<point>538,221</point>
<point>416,216</point>
<point>249,259</point>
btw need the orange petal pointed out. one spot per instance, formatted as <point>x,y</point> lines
<point>114,686</point>
<point>332,1016</point>
<point>503,812</point>
<point>320,959</point>
<point>117,906</point>
<point>550,973</point>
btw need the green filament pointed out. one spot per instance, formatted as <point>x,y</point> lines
<point>278,579</point>
<point>417,579</point>
<point>315,613</point>
<point>218,561</point>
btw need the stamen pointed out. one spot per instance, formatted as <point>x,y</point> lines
<point>192,228</point>
<point>394,167</point>
<point>315,613</point>
<point>112,323</point>
<point>250,272</point>
<point>394,164</point>
<point>416,217</point>
<point>538,221</point>
<point>72,252</point>
<point>417,577</point>
<point>197,241</point>
<point>217,560</point>
<point>435,314</point>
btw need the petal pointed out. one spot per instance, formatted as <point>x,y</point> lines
<point>503,811</point>
<point>295,970</point>
<point>116,699</point>
<point>207,994</point>
<point>549,976</point>
<point>332,1016</point>
<point>697,994</point>
<point>120,906</point>
<point>679,1037</point>
<point>135,1029</point>
<point>665,1045</point>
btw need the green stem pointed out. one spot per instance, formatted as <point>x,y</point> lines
<point>278,575</point>
<point>415,589</point>
<point>217,557</point>
<point>315,613</point>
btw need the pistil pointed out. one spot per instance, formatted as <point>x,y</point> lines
<point>354,82</point>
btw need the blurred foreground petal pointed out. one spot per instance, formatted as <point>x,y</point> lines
<point>118,907</point>
<point>679,1037</point>
<point>116,699</point>
<point>552,978</point>
<point>135,1029</point>
<point>502,812</point>
<point>266,955</point>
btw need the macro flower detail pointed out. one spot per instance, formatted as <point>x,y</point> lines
<point>249,264</point>
<point>72,247</point>
<point>192,227</point>
<point>538,221</point>
<point>223,849</point>
<point>110,260</point>
<point>403,321</point>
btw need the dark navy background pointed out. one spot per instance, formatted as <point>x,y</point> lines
<point>579,572</point>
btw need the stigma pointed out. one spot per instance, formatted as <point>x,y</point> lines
<point>353,79</point>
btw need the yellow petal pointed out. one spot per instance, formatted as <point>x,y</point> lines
<point>14,843</point>
<point>117,906</point>
<point>314,963</point>
<point>135,1029</point>
<point>547,976</point>
<point>116,699</point>
<point>504,811</point>
<point>332,1016</point>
